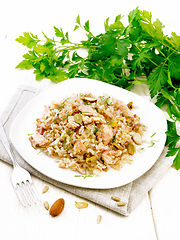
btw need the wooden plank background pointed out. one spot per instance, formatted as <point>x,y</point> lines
<point>157,216</point>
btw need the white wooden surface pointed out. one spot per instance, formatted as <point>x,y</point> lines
<point>157,216</point>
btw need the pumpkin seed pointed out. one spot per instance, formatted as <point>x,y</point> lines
<point>45,189</point>
<point>131,149</point>
<point>91,160</point>
<point>67,142</point>
<point>78,118</point>
<point>117,146</point>
<point>113,123</point>
<point>46,205</point>
<point>130,105</point>
<point>117,199</point>
<point>121,203</point>
<point>99,218</point>
<point>81,205</point>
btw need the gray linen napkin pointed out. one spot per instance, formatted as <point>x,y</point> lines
<point>131,193</point>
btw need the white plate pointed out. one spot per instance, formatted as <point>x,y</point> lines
<point>150,115</point>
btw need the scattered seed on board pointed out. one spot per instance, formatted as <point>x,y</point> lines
<point>81,205</point>
<point>46,205</point>
<point>117,199</point>
<point>121,203</point>
<point>45,189</point>
<point>99,218</point>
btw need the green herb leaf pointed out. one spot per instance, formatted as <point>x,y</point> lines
<point>28,39</point>
<point>157,80</point>
<point>172,136</point>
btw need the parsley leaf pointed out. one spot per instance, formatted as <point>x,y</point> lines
<point>28,39</point>
<point>172,136</point>
<point>173,66</point>
<point>172,152</point>
<point>156,80</point>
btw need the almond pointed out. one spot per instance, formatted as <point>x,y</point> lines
<point>57,207</point>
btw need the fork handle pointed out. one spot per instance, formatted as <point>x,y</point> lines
<point>6,144</point>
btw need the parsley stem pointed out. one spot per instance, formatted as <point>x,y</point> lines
<point>70,48</point>
<point>140,81</point>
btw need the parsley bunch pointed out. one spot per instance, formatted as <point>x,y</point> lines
<point>122,56</point>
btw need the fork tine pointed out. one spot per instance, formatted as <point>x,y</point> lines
<point>19,195</point>
<point>30,191</point>
<point>25,193</point>
<point>33,189</point>
<point>21,179</point>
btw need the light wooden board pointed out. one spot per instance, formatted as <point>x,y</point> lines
<point>34,222</point>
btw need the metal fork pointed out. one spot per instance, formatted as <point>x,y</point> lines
<point>21,179</point>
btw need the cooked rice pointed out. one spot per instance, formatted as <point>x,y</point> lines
<point>88,134</point>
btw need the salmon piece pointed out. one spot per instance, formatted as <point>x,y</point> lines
<point>107,158</point>
<point>87,110</point>
<point>47,110</point>
<point>62,164</point>
<point>86,119</point>
<point>101,147</point>
<point>62,115</point>
<point>71,123</point>
<point>47,122</point>
<point>38,140</point>
<point>125,110</point>
<point>95,119</point>
<point>79,148</point>
<point>140,131</point>
<point>136,120</point>
<point>109,112</point>
<point>40,129</point>
<point>77,167</point>
<point>98,119</point>
<point>128,129</point>
<point>107,134</point>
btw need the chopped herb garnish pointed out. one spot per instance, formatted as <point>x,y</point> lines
<point>65,117</point>
<point>86,102</point>
<point>105,101</point>
<point>95,130</point>
<point>39,152</point>
<point>63,103</point>
<point>69,131</point>
<point>152,142</point>
<point>153,135</point>
<point>85,112</point>
<point>114,138</point>
<point>84,176</point>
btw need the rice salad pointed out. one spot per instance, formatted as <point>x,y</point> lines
<point>88,134</point>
